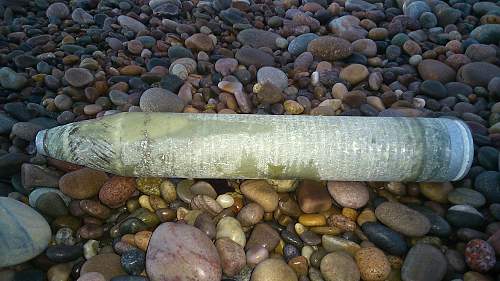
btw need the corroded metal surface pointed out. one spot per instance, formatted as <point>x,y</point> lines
<point>263,146</point>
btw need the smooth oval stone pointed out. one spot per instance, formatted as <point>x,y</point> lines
<point>349,194</point>
<point>263,235</point>
<point>107,264</point>
<point>339,266</point>
<point>436,70</point>
<point>31,230</point>
<point>466,196</point>
<point>230,227</point>
<point>373,264</point>
<point>272,75</point>
<point>273,270</point>
<point>478,73</point>
<point>160,100</point>
<point>64,253</point>
<point>78,77</point>
<point>251,56</point>
<point>35,194</point>
<point>182,251</point>
<point>232,256</point>
<point>260,192</point>
<point>83,183</point>
<point>258,38</point>
<point>424,262</point>
<point>51,204</point>
<point>486,33</point>
<point>250,214</point>
<point>385,238</point>
<point>464,216</point>
<point>299,43</point>
<point>130,23</point>
<point>402,219</point>
<point>330,48</point>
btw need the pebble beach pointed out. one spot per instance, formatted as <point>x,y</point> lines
<point>69,61</point>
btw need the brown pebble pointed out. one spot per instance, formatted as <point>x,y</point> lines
<point>141,239</point>
<point>83,183</point>
<point>313,197</point>
<point>260,192</point>
<point>116,191</point>
<point>373,264</point>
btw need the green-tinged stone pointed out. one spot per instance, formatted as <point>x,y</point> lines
<point>51,204</point>
<point>132,226</point>
<point>149,186</point>
<point>31,232</point>
<point>146,216</point>
<point>466,196</point>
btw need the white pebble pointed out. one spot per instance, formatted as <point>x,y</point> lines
<point>90,248</point>
<point>225,200</point>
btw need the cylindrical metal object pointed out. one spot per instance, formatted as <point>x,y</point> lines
<point>265,146</point>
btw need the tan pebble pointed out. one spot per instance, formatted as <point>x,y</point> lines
<point>230,227</point>
<point>395,261</point>
<point>129,239</point>
<point>142,238</point>
<point>366,215</point>
<point>292,107</point>
<point>299,228</point>
<point>59,272</point>
<point>144,202</point>
<point>373,264</point>
<point>283,185</point>
<point>262,193</point>
<point>350,213</point>
<point>312,219</point>
<point>157,202</point>
<point>328,230</point>
<point>436,191</point>
<point>225,200</point>
<point>273,270</point>
<point>182,213</point>
<point>167,191</point>
<point>354,73</point>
